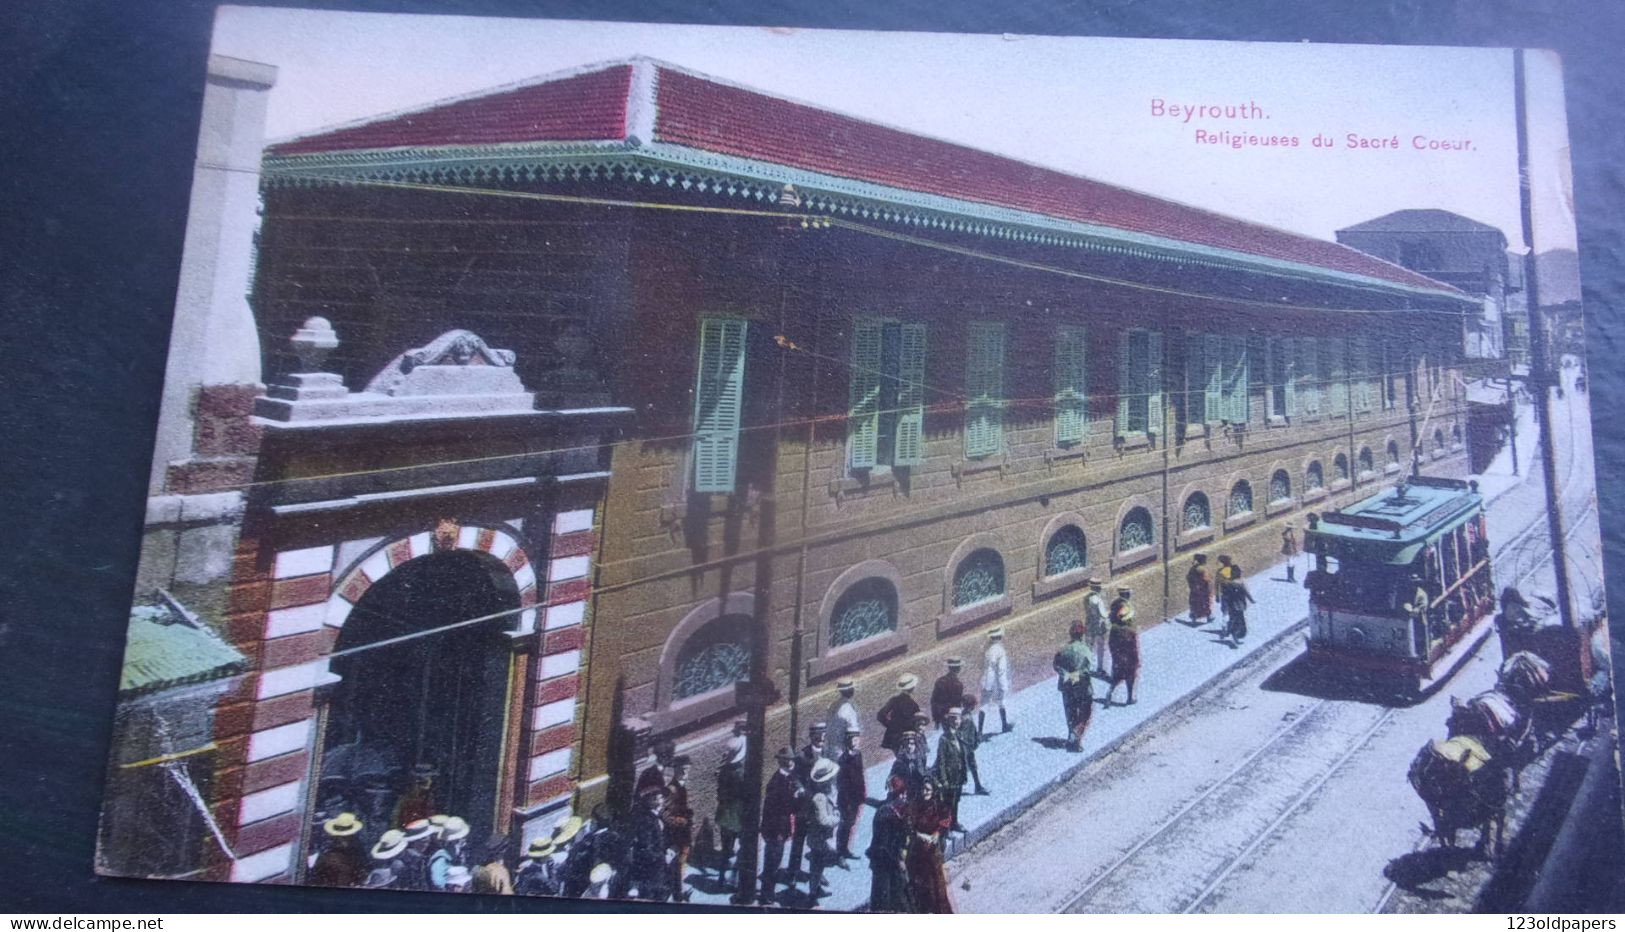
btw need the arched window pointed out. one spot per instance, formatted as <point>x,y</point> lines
<point>1340,467</point>
<point>1455,435</point>
<point>979,578</point>
<point>1438,440</point>
<point>1135,531</point>
<point>715,657</point>
<point>1367,462</point>
<point>1241,498</point>
<point>867,609</point>
<point>1198,514</point>
<point>1280,486</point>
<point>1065,552</point>
<point>1314,477</point>
<point>1393,452</point>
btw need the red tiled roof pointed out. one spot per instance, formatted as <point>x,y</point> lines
<point>584,106</point>
<point>703,114</point>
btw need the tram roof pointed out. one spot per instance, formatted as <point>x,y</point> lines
<point>1393,525</point>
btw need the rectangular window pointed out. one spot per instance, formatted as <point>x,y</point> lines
<point>1307,376</point>
<point>1139,397</point>
<point>984,389</point>
<point>1071,386</point>
<point>719,388</point>
<point>1204,365</point>
<point>1391,363</point>
<point>1365,372</point>
<point>1235,379</point>
<point>1334,373</point>
<point>1281,392</point>
<point>886,416</point>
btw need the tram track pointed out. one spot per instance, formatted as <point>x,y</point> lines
<point>1525,558</point>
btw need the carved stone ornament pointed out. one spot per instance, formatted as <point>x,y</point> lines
<point>312,343</point>
<point>453,350</point>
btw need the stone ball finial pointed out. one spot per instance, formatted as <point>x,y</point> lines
<point>313,342</point>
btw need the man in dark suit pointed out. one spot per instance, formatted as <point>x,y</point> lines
<point>778,823</point>
<point>851,792</point>
<point>646,831</point>
<point>897,715</point>
<point>948,692</point>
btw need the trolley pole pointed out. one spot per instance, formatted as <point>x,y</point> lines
<point>1541,372</point>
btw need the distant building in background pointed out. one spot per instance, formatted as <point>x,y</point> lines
<point>1462,252</point>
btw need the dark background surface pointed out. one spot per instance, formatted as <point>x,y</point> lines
<point>99,102</point>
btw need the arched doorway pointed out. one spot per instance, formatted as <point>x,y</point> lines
<point>416,692</point>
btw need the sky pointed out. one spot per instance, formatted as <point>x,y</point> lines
<point>1084,106</point>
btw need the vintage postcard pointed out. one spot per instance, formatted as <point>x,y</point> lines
<point>870,471</point>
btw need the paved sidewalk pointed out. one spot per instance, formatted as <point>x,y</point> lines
<point>1176,661</point>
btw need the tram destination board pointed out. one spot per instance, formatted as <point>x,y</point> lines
<point>806,468</point>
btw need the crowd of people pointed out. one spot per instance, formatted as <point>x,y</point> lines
<point>810,806</point>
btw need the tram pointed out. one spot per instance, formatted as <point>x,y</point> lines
<point>1401,583</point>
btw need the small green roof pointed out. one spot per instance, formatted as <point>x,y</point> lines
<point>165,649</point>
<point>1394,525</point>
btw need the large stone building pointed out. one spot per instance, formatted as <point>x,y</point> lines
<point>784,394</point>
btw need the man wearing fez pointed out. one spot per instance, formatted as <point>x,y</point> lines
<point>678,818</point>
<point>1077,691</point>
<point>948,692</point>
<point>646,873</point>
<point>951,768</point>
<point>778,822</point>
<point>897,715</point>
<point>851,792</point>
<point>342,863</point>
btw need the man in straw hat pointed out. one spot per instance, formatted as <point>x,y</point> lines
<point>948,692</point>
<point>342,863</point>
<point>1124,642</point>
<point>414,869</point>
<point>811,753</point>
<point>1095,623</point>
<point>538,874</point>
<point>842,718</point>
<point>823,819</point>
<point>1071,666</point>
<point>452,836</point>
<point>386,860</point>
<point>646,872</point>
<point>778,823</point>
<point>851,792</point>
<point>897,715</point>
<point>730,815</point>
<point>492,875</point>
<point>995,681</point>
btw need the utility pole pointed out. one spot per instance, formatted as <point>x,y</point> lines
<point>1541,372</point>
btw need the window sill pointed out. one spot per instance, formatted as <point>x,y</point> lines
<point>1192,537</point>
<point>1391,469</point>
<point>1241,520</point>
<point>1314,495</point>
<point>1366,475</point>
<point>989,463</point>
<point>1280,505</point>
<point>686,712</point>
<point>1133,441</point>
<point>848,656</point>
<point>1277,420</point>
<point>1133,558</point>
<point>1437,455</point>
<point>1339,485</point>
<point>1072,451</point>
<point>1052,586</point>
<point>971,615</point>
<point>865,481</point>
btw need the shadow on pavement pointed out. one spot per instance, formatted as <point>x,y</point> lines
<point>1306,678</point>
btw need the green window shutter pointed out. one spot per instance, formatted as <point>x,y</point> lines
<point>718,393</point>
<point>1071,387</point>
<point>1334,351</point>
<point>1308,376</point>
<point>1153,384</point>
<point>910,447</point>
<point>1286,350</point>
<point>863,414</point>
<point>1236,379</point>
<point>984,389</point>
<point>1125,379</point>
<point>1212,377</point>
<point>1367,370</point>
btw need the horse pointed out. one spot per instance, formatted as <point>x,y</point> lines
<point>1498,723</point>
<point>1464,787</point>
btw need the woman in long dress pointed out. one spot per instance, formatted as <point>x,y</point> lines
<point>888,852</point>
<point>927,876</point>
<point>1124,642</point>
